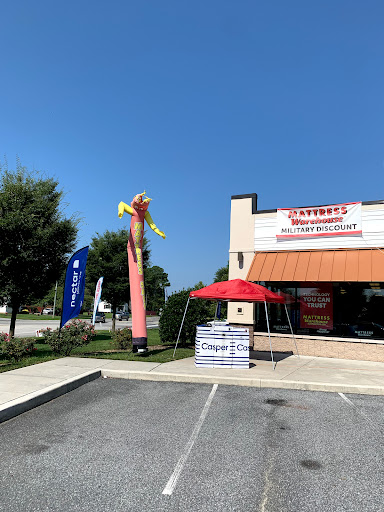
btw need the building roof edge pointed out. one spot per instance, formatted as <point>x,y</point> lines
<point>380,201</point>
<point>252,196</point>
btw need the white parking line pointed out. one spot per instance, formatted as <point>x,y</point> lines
<point>349,402</point>
<point>346,399</point>
<point>169,488</point>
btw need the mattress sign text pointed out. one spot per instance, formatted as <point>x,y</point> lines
<point>330,220</point>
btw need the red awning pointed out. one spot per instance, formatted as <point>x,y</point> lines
<point>237,290</point>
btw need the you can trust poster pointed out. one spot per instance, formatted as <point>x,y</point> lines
<point>316,307</point>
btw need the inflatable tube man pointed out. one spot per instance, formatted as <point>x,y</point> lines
<point>138,211</point>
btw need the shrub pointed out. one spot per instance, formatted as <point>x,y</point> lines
<point>15,348</point>
<point>75,334</point>
<point>199,312</point>
<point>122,338</point>
<point>3,337</point>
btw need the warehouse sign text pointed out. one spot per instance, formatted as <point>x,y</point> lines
<point>331,220</point>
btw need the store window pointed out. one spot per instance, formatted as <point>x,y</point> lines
<point>279,320</point>
<point>360,308</point>
<point>349,310</point>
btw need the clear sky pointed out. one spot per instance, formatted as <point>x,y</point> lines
<point>194,101</point>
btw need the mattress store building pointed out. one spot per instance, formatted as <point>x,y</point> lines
<point>327,262</point>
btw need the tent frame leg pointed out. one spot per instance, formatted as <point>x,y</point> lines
<point>293,336</point>
<point>181,326</point>
<point>269,335</point>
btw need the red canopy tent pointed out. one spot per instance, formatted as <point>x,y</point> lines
<point>238,290</point>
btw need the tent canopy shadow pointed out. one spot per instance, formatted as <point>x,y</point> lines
<point>265,355</point>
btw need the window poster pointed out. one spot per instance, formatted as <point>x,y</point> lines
<point>316,306</point>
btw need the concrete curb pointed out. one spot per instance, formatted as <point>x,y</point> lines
<point>31,400</point>
<point>249,382</point>
<point>180,377</point>
<point>320,386</point>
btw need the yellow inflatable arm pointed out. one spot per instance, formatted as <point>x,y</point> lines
<point>123,207</point>
<point>152,225</point>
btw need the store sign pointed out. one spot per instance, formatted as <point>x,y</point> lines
<point>331,220</point>
<point>316,307</point>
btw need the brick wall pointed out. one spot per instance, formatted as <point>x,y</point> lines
<point>251,331</point>
<point>321,348</point>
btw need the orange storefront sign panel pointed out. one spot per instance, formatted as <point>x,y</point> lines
<point>351,265</point>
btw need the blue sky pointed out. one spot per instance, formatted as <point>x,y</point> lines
<point>194,102</point>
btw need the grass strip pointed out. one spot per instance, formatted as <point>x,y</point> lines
<point>102,348</point>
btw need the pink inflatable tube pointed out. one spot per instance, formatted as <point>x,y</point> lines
<point>138,211</point>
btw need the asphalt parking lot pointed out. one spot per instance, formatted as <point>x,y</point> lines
<point>130,445</point>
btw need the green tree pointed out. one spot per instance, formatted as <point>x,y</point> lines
<point>198,312</point>
<point>108,257</point>
<point>155,280</point>
<point>221,274</point>
<point>49,298</point>
<point>35,236</point>
<point>89,296</point>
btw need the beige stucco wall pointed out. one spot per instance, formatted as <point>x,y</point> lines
<point>377,206</point>
<point>242,226</point>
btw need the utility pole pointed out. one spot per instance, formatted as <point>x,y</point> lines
<point>54,301</point>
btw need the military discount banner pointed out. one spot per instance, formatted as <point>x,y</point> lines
<point>331,220</point>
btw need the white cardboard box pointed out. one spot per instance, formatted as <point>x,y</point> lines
<point>221,346</point>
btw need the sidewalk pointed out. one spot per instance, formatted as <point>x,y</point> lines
<point>25,388</point>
